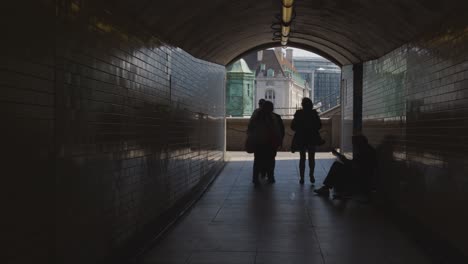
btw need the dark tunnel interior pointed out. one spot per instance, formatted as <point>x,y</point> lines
<point>114,114</point>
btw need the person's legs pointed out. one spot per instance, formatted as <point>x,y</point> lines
<point>302,157</point>
<point>334,179</point>
<point>334,175</point>
<point>262,170</point>
<point>271,165</point>
<point>259,163</point>
<point>266,161</point>
<point>262,161</point>
<point>311,153</point>
<point>264,164</point>
<point>256,167</point>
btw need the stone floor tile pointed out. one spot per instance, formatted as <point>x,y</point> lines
<point>287,258</point>
<point>221,257</point>
<point>163,257</point>
<point>285,222</point>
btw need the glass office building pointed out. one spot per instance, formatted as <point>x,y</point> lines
<point>323,77</point>
<point>327,88</point>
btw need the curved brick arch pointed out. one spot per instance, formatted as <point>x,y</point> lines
<point>344,31</point>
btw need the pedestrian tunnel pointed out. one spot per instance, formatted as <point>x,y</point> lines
<point>114,113</point>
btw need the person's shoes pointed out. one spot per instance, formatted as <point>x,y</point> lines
<point>322,191</point>
<point>301,181</point>
<point>263,175</point>
<point>312,179</point>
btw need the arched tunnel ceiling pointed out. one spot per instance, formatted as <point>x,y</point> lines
<point>345,31</point>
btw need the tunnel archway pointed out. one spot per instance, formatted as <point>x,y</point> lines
<point>345,32</point>
<point>290,45</point>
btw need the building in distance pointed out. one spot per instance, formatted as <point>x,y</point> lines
<point>240,89</point>
<point>277,80</point>
<point>324,77</point>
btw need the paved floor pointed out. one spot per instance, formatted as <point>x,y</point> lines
<point>281,223</point>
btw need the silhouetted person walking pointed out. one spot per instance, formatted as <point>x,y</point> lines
<point>250,136</point>
<point>265,129</point>
<point>279,122</point>
<point>347,176</point>
<point>306,123</point>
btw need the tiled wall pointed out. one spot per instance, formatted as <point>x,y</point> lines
<point>106,128</point>
<point>415,112</point>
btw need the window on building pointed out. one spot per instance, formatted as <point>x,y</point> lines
<point>271,73</point>
<point>248,89</point>
<point>270,95</point>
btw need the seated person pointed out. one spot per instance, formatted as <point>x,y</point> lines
<point>351,176</point>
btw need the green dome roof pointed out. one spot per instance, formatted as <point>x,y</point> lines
<point>239,66</point>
